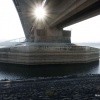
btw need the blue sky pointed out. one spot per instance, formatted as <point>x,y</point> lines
<point>10,26</point>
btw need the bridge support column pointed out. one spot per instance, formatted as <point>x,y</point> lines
<point>50,35</point>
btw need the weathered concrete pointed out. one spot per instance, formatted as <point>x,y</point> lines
<point>48,54</point>
<point>49,36</point>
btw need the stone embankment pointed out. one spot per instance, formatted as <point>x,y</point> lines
<point>75,87</point>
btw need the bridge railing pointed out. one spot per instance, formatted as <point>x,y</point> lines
<point>12,42</point>
<point>22,39</point>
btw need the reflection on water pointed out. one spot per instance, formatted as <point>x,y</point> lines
<point>11,71</point>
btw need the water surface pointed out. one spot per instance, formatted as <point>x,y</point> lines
<point>11,71</point>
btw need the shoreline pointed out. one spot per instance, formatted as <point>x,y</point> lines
<point>72,87</point>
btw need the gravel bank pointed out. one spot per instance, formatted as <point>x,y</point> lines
<point>75,87</point>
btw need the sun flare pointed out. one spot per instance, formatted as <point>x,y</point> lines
<point>40,13</point>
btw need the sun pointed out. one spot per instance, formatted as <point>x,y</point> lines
<point>40,12</point>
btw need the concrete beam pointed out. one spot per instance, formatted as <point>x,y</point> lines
<point>75,8</point>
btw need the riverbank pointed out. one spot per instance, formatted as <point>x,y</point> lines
<point>72,87</point>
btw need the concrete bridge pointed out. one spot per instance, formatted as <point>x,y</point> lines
<point>60,13</point>
<point>47,42</point>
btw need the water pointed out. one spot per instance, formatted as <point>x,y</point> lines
<point>11,71</point>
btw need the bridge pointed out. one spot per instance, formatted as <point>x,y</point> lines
<point>46,41</point>
<point>60,13</point>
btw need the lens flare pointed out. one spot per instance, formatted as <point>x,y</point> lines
<point>40,13</point>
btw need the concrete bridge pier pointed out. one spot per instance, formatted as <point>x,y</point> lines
<point>48,35</point>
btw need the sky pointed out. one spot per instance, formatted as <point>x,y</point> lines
<point>85,31</point>
<point>11,28</point>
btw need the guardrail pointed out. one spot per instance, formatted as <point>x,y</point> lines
<point>22,39</point>
<point>18,40</point>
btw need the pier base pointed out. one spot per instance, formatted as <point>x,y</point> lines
<point>48,53</point>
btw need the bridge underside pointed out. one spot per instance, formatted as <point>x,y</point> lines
<point>61,13</point>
